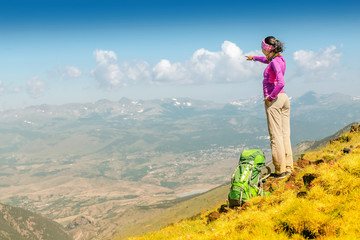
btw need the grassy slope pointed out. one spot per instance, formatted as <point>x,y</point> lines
<point>318,144</point>
<point>20,224</point>
<point>183,210</point>
<point>325,208</point>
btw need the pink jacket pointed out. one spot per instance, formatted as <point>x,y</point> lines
<point>273,82</point>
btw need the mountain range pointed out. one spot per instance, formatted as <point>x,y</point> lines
<point>100,161</point>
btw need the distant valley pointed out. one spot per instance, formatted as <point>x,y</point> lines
<point>100,160</point>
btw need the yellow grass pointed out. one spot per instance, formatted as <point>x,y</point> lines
<point>329,210</point>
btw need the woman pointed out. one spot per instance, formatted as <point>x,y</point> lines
<point>277,106</point>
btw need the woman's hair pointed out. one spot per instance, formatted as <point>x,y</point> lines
<point>278,46</point>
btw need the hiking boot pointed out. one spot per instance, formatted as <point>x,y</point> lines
<point>278,176</point>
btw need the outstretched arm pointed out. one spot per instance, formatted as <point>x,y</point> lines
<point>261,59</point>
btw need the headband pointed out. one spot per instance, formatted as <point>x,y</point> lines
<point>266,46</point>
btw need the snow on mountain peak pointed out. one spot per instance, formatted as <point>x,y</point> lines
<point>28,122</point>
<point>245,102</point>
<point>239,103</point>
<point>136,103</point>
<point>180,103</point>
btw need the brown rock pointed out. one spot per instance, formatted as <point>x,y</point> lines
<point>308,178</point>
<point>346,150</point>
<point>317,162</point>
<point>301,194</point>
<point>223,208</point>
<point>213,216</point>
<point>303,163</point>
<point>355,128</point>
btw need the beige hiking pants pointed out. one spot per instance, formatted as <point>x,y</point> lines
<point>278,120</point>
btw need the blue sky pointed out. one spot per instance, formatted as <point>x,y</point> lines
<point>55,52</point>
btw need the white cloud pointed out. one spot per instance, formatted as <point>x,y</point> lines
<point>72,72</point>
<point>16,90</point>
<point>318,64</point>
<point>204,66</point>
<point>164,71</point>
<point>67,72</point>
<point>110,74</point>
<point>35,87</point>
<point>136,71</point>
<point>107,72</point>
<point>105,57</point>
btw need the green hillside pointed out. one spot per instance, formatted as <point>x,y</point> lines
<point>320,200</point>
<point>20,224</point>
<point>153,220</point>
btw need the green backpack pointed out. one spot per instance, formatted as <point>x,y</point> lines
<point>247,180</point>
